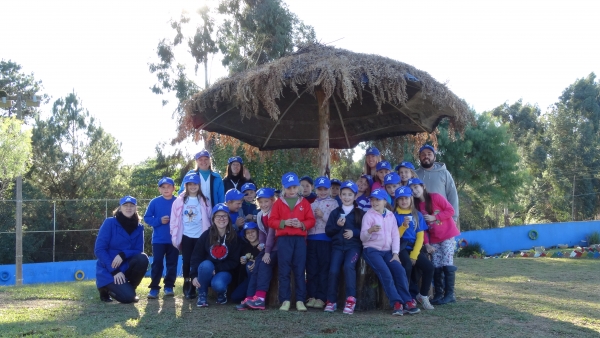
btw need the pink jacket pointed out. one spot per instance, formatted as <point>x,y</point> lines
<point>177,219</point>
<point>385,239</point>
<point>444,228</point>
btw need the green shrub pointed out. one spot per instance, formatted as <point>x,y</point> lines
<point>470,250</point>
<point>593,238</point>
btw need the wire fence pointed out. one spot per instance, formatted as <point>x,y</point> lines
<point>57,230</point>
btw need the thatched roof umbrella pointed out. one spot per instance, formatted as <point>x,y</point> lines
<point>323,97</point>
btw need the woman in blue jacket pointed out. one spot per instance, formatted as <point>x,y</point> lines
<point>211,182</point>
<point>122,262</point>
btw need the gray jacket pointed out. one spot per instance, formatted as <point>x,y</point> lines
<point>439,180</point>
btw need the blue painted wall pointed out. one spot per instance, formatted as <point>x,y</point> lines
<point>495,241</point>
<point>36,273</point>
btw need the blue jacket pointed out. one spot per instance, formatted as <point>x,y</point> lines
<point>113,239</point>
<point>217,190</point>
<point>410,234</point>
<point>157,208</point>
<point>336,232</point>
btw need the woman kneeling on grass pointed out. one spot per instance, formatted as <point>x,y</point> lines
<point>122,262</point>
<point>215,257</point>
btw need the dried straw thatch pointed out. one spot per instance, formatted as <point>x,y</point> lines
<point>371,97</point>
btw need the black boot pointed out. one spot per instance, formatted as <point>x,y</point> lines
<point>438,286</point>
<point>449,274</point>
<point>189,291</point>
<point>104,296</point>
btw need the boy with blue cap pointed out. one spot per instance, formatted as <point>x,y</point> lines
<point>318,251</point>
<point>335,190</point>
<point>233,200</point>
<point>383,168</point>
<point>249,205</point>
<point>157,216</point>
<point>391,182</point>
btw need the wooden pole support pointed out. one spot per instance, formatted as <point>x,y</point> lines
<point>323,131</point>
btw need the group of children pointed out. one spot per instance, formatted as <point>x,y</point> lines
<point>389,219</point>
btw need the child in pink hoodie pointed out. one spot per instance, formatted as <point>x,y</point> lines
<point>381,243</point>
<point>438,213</point>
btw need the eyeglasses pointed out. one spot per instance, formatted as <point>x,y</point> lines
<point>221,217</point>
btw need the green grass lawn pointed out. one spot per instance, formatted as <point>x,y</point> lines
<point>521,297</point>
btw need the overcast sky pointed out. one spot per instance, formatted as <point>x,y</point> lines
<point>488,52</point>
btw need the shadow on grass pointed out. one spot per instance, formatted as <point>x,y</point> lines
<point>82,314</point>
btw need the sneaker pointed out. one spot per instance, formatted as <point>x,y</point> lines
<point>257,303</point>
<point>222,298</point>
<point>285,306</point>
<point>319,304</point>
<point>300,306</point>
<point>136,299</point>
<point>242,306</point>
<point>202,302</point>
<point>350,304</point>
<point>330,307</point>
<point>424,301</point>
<point>411,307</point>
<point>153,294</point>
<point>169,292</point>
<point>397,309</point>
<point>311,302</point>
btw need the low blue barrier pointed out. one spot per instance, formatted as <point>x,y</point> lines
<point>496,241</point>
<point>39,273</point>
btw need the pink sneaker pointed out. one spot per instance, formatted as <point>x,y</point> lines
<point>350,304</point>
<point>330,307</point>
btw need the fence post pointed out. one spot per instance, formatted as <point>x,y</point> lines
<point>54,233</point>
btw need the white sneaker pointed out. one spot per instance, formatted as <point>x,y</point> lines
<point>424,301</point>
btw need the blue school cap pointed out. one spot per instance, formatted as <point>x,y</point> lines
<point>384,165</point>
<point>166,180</point>
<point>289,179</point>
<point>191,178</point>
<point>404,191</point>
<point>336,181</point>
<point>307,179</point>
<point>248,186</point>
<point>369,179</point>
<point>322,182</point>
<point>427,146</point>
<point>128,199</point>
<point>391,178</point>
<point>414,181</point>
<point>220,207</point>
<point>203,153</point>
<point>235,159</point>
<point>233,195</point>
<point>265,193</point>
<point>248,226</point>
<point>349,185</point>
<point>373,151</point>
<point>406,165</point>
<point>379,194</point>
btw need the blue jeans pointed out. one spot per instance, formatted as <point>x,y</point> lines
<point>171,256</point>
<point>348,259</point>
<point>318,256</point>
<point>218,282</point>
<point>391,275</point>
<point>260,279</point>
<point>292,258</point>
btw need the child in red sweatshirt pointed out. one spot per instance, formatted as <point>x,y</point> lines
<point>291,217</point>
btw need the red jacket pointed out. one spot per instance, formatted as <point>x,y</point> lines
<point>281,212</point>
<point>444,227</point>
